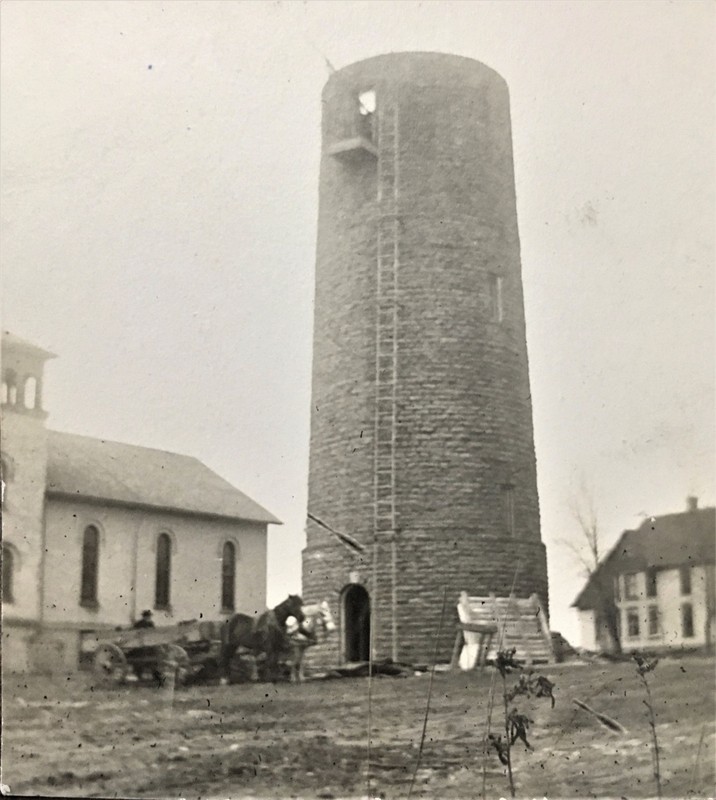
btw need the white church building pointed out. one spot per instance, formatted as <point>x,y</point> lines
<point>95,532</point>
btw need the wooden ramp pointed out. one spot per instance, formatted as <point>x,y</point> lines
<point>510,622</point>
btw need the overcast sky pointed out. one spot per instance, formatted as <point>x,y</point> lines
<point>159,202</point>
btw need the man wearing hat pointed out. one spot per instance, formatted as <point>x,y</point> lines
<point>146,621</point>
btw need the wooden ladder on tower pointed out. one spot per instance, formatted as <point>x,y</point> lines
<point>386,356</point>
<point>386,319</point>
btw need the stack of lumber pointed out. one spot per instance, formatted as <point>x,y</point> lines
<point>520,622</point>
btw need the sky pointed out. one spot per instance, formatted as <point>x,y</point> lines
<point>159,203</point>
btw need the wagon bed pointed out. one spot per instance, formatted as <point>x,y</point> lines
<point>177,652</point>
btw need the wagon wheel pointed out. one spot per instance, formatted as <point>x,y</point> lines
<point>174,664</point>
<point>110,663</point>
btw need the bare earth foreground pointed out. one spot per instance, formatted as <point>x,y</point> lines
<point>68,738</point>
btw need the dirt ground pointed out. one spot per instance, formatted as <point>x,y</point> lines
<point>69,738</point>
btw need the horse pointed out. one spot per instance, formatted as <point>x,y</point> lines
<point>263,634</point>
<point>316,627</point>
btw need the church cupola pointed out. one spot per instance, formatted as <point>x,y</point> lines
<point>23,364</point>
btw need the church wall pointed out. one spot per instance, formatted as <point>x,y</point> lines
<point>16,646</point>
<point>127,570</point>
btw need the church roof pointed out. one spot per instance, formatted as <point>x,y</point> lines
<point>128,475</point>
<point>669,541</point>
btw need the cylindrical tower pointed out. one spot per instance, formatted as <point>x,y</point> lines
<point>421,422</point>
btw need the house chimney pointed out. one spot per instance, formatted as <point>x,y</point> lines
<point>692,503</point>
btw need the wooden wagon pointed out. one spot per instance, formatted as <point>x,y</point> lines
<point>175,652</point>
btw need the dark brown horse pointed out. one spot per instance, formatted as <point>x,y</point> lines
<point>265,634</point>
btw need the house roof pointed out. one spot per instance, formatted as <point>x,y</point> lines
<point>672,540</point>
<point>124,474</point>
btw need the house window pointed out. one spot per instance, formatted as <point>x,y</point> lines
<point>163,571</point>
<point>632,623</point>
<point>495,286</point>
<point>687,620</point>
<point>508,508</point>
<point>651,583</point>
<point>228,577</point>
<point>653,620</point>
<point>90,564</point>
<point>617,590</point>
<point>685,579</point>
<point>630,586</point>
<point>8,568</point>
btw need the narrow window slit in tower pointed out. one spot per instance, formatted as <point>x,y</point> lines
<point>496,310</point>
<point>367,102</point>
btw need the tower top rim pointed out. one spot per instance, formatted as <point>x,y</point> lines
<point>409,64</point>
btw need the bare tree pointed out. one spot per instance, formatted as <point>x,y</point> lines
<point>589,553</point>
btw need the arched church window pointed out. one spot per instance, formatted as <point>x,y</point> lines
<point>8,569</point>
<point>90,566</point>
<point>228,577</point>
<point>30,392</point>
<point>163,571</point>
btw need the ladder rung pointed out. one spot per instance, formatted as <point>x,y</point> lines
<point>384,414</point>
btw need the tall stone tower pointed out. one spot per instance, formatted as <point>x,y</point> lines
<point>421,430</point>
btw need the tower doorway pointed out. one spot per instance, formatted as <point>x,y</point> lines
<point>355,628</point>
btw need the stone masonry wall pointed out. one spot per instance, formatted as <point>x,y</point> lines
<point>464,447</point>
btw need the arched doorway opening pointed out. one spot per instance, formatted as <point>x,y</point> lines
<point>355,614</point>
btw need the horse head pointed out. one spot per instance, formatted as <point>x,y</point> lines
<point>291,607</point>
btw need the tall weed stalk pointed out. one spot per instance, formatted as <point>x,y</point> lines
<point>516,724</point>
<point>643,668</point>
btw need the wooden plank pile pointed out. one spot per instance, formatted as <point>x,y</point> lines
<point>488,624</point>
